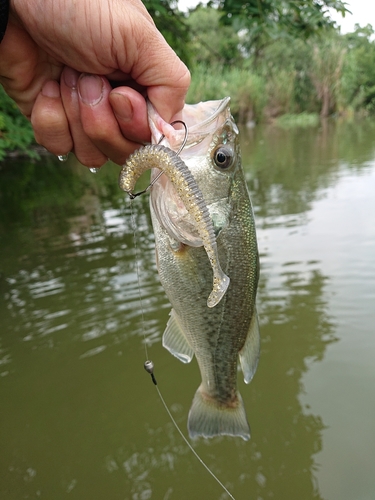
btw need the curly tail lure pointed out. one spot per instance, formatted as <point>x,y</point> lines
<point>166,160</point>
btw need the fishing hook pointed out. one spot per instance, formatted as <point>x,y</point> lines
<point>185,138</point>
<point>134,195</point>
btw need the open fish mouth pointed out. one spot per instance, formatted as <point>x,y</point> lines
<point>202,120</point>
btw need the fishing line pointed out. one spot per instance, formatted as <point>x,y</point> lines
<point>149,367</point>
<point>134,227</point>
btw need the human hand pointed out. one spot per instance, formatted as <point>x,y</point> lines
<point>46,39</point>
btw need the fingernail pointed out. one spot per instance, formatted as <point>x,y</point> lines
<point>90,89</point>
<point>71,78</point>
<point>51,89</point>
<point>122,107</point>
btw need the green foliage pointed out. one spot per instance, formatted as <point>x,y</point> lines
<point>293,57</point>
<point>326,69</point>
<point>246,89</point>
<point>358,78</point>
<point>171,23</point>
<point>15,131</point>
<point>280,92</point>
<point>211,43</point>
<point>304,119</point>
<point>267,20</point>
<point>331,74</point>
<point>327,74</point>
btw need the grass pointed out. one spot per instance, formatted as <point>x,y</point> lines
<point>290,120</point>
<point>246,89</point>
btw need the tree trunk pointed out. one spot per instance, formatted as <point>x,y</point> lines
<point>326,102</point>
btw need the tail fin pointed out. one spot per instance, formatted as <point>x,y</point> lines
<point>207,418</point>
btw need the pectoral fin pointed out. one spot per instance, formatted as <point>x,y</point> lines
<point>249,355</point>
<point>175,340</point>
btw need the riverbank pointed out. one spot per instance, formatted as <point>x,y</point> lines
<point>286,97</point>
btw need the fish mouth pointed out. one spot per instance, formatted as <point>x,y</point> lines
<point>209,111</point>
<point>202,120</point>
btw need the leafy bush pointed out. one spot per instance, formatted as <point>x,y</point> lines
<point>358,79</point>
<point>15,131</point>
<point>245,88</point>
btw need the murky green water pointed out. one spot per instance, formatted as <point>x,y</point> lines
<point>79,416</point>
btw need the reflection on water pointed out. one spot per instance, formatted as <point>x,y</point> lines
<point>80,418</point>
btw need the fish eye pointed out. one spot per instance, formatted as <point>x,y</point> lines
<point>223,157</point>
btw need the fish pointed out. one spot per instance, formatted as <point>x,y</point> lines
<point>222,336</point>
<point>166,160</point>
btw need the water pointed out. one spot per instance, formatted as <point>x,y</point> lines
<point>62,158</point>
<point>80,417</point>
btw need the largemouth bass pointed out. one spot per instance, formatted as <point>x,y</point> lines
<point>220,335</point>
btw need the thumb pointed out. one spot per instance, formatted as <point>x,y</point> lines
<point>168,97</point>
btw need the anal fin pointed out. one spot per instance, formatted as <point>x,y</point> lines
<point>249,355</point>
<point>175,340</point>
